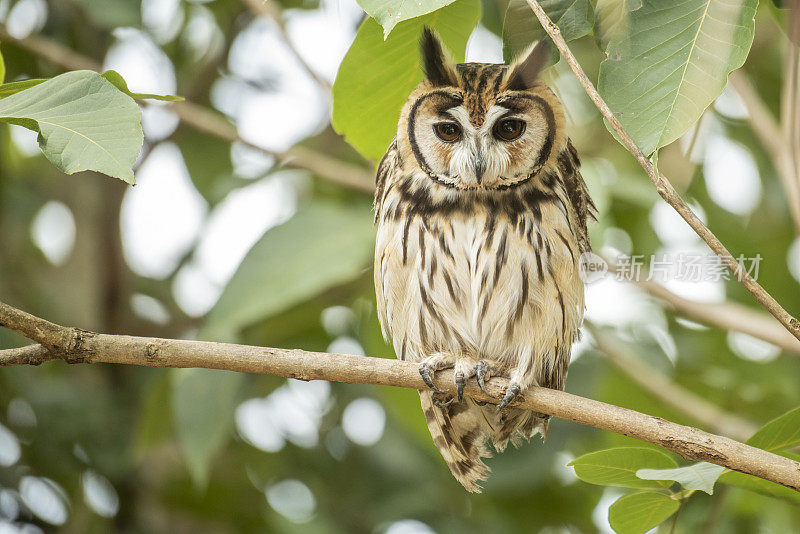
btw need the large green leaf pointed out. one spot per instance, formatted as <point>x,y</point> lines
<point>700,476</point>
<point>83,121</point>
<point>617,467</point>
<point>323,245</point>
<point>779,434</point>
<point>638,513</point>
<point>203,402</point>
<point>521,27</point>
<point>8,89</point>
<point>388,13</point>
<point>376,76</point>
<point>672,64</point>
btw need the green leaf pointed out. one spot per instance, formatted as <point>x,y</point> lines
<point>376,76</point>
<point>119,82</point>
<point>700,476</point>
<point>388,13</point>
<point>672,64</point>
<point>323,245</point>
<point>2,68</point>
<point>203,403</point>
<point>780,433</point>
<point>618,466</point>
<point>521,27</point>
<point>8,89</point>
<point>83,121</point>
<point>638,513</point>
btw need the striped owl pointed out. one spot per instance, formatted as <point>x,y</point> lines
<point>481,215</point>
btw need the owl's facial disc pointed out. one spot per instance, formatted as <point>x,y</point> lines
<point>504,149</point>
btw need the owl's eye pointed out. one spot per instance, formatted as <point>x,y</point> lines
<point>447,131</point>
<point>509,129</point>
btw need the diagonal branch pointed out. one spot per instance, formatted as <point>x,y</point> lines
<point>208,121</point>
<point>74,345</point>
<point>663,186</point>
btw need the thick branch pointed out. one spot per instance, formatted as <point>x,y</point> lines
<point>663,186</point>
<point>207,121</point>
<point>668,392</point>
<point>79,346</point>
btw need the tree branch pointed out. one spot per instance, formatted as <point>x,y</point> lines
<point>668,392</point>
<point>663,186</point>
<point>74,345</point>
<point>209,122</point>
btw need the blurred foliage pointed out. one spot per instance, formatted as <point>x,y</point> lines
<point>174,447</point>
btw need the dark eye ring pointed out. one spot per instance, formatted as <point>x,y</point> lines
<point>509,129</point>
<point>447,131</point>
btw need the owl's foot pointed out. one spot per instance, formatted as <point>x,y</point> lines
<point>511,393</point>
<point>464,369</point>
<point>430,365</point>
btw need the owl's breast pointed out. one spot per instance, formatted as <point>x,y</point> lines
<point>478,284</point>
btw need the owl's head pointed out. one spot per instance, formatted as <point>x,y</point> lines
<point>481,126</point>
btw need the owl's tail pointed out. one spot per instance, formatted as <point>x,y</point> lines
<point>459,431</point>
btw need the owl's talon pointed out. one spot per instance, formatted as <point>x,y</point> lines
<point>482,373</point>
<point>425,371</point>
<point>511,393</point>
<point>461,381</point>
<point>440,403</point>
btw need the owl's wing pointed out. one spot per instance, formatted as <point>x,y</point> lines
<point>387,164</point>
<point>578,193</point>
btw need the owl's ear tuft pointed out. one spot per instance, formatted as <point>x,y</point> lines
<point>525,73</point>
<point>435,63</point>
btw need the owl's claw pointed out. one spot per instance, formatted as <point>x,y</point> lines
<point>461,381</point>
<point>511,393</point>
<point>442,400</point>
<point>482,373</point>
<point>425,371</point>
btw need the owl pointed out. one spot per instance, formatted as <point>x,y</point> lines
<point>482,219</point>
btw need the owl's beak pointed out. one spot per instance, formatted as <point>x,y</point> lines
<point>480,167</point>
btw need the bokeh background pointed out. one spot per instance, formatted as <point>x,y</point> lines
<point>221,240</point>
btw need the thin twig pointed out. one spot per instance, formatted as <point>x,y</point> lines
<point>265,8</point>
<point>663,186</point>
<point>74,345</point>
<point>210,122</point>
<point>668,392</point>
